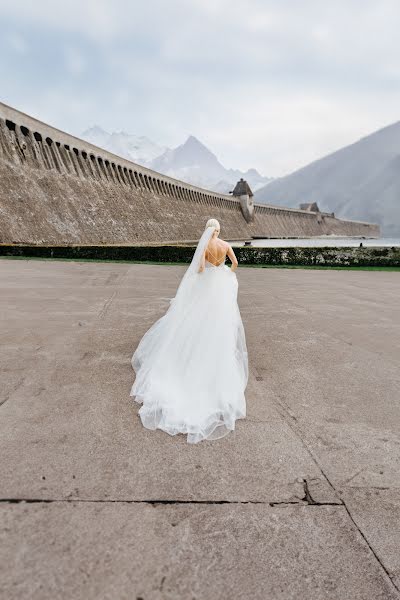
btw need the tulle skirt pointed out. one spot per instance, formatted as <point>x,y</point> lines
<point>192,365</point>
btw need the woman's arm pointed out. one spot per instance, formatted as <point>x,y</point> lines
<point>232,257</point>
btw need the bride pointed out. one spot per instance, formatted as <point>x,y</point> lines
<point>192,365</point>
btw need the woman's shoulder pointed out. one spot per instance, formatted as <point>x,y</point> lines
<point>221,244</point>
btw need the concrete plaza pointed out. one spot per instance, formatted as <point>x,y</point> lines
<point>301,500</point>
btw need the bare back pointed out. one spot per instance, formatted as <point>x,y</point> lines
<point>217,250</point>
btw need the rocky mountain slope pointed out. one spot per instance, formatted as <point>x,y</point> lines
<point>360,181</point>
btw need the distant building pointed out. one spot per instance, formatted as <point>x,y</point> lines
<point>242,188</point>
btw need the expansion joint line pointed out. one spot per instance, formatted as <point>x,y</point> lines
<point>292,423</point>
<point>71,500</point>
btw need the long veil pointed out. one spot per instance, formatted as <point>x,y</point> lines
<point>193,269</point>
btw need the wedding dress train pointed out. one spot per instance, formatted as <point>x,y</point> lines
<point>192,364</point>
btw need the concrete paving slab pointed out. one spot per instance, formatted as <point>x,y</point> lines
<point>73,423</point>
<point>377,514</point>
<point>328,376</point>
<point>349,412</point>
<point>132,551</point>
<point>84,439</point>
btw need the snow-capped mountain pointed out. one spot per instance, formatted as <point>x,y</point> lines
<point>360,181</point>
<point>195,163</point>
<point>137,148</point>
<point>192,161</point>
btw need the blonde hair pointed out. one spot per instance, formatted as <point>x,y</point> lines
<point>213,223</point>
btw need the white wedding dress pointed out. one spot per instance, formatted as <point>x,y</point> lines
<point>192,364</point>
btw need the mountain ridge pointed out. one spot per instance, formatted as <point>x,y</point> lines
<point>356,181</point>
<point>191,161</point>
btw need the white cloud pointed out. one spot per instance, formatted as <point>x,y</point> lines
<point>75,61</point>
<point>17,43</point>
<point>265,84</point>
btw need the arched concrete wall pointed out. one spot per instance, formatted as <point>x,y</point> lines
<point>57,188</point>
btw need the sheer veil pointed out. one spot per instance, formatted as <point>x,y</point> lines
<point>192,271</point>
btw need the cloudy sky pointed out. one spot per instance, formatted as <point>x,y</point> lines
<point>265,84</point>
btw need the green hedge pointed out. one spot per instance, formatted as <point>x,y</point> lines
<point>327,256</point>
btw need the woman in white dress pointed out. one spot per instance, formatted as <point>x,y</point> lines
<point>192,364</point>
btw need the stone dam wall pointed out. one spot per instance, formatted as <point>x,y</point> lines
<point>58,189</point>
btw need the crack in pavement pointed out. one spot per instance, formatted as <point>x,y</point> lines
<point>13,389</point>
<point>391,578</point>
<point>106,305</point>
<point>294,425</point>
<point>306,501</point>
